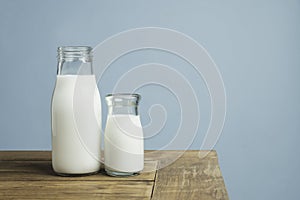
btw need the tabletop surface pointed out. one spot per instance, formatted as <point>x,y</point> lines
<point>167,175</point>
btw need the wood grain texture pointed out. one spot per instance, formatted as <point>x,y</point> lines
<point>42,170</point>
<point>28,175</point>
<point>25,155</point>
<point>191,177</point>
<point>75,190</point>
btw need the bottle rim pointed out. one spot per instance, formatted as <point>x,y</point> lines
<point>129,99</point>
<point>74,52</point>
<point>128,95</point>
<point>74,48</point>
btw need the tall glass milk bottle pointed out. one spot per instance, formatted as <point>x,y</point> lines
<point>123,138</point>
<point>76,114</point>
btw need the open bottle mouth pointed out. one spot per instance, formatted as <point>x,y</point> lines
<point>125,99</point>
<point>74,60</point>
<point>74,52</point>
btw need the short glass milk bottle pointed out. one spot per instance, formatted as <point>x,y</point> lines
<point>76,114</point>
<point>123,137</point>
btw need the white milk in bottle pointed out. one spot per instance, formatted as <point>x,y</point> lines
<point>123,138</point>
<point>76,114</point>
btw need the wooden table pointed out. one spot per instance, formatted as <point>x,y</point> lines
<point>28,175</point>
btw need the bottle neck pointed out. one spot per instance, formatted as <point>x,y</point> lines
<point>122,110</point>
<point>74,60</point>
<point>122,104</point>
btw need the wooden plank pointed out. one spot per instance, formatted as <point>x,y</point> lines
<point>191,178</point>
<point>42,170</point>
<point>75,190</point>
<point>170,154</point>
<point>164,158</point>
<point>25,155</point>
<point>46,155</point>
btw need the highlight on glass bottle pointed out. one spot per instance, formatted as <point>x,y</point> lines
<point>75,114</point>
<point>123,137</point>
<point>74,60</point>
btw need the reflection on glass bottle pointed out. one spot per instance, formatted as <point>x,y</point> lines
<point>123,138</point>
<point>76,114</point>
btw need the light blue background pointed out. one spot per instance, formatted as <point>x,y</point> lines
<point>255,44</point>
